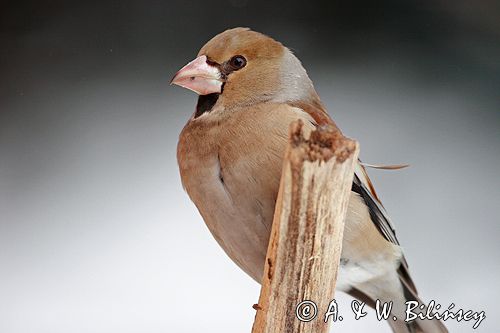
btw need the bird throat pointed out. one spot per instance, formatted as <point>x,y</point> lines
<point>205,103</point>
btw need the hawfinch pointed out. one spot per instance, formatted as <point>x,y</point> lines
<point>230,154</point>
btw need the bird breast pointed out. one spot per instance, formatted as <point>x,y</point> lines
<point>230,165</point>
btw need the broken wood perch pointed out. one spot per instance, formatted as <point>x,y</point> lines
<point>306,238</point>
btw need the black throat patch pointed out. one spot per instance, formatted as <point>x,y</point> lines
<point>205,103</point>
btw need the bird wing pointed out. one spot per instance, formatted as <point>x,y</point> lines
<point>364,187</point>
<point>361,184</point>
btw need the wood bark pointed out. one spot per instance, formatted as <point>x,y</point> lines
<point>306,238</point>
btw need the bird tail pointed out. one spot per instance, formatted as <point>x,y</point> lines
<point>417,325</point>
<point>410,294</point>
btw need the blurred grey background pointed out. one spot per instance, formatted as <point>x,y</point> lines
<point>96,233</point>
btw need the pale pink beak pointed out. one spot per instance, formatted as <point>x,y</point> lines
<point>199,77</point>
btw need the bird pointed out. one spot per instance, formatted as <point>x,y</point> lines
<point>230,153</point>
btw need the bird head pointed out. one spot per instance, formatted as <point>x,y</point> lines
<point>241,67</point>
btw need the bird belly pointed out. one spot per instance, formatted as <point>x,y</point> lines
<point>237,230</point>
<point>242,226</point>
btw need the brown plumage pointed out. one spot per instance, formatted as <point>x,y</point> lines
<point>230,155</point>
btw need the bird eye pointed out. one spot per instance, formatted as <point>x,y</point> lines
<point>237,62</point>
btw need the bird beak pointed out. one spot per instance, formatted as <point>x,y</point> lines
<point>199,76</point>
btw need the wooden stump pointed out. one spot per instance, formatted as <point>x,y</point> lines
<point>306,238</point>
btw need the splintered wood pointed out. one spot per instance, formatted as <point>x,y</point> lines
<point>306,238</point>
